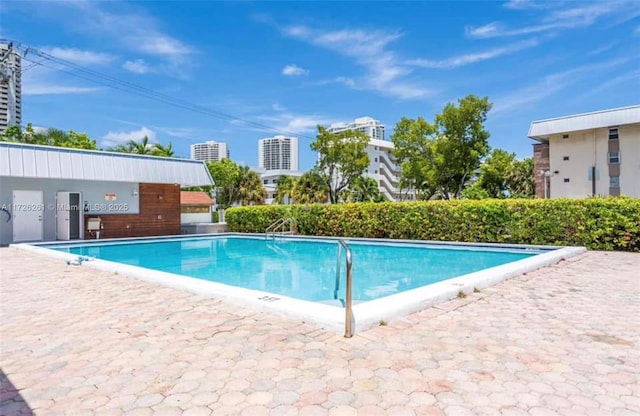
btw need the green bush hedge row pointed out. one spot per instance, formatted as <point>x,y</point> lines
<point>597,223</point>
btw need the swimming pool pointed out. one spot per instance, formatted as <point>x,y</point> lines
<point>296,276</point>
<point>302,268</point>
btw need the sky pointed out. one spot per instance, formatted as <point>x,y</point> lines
<point>242,71</point>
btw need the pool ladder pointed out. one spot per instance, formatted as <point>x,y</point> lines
<point>348,321</point>
<point>279,227</point>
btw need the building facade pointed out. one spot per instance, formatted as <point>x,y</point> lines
<point>278,153</point>
<point>209,151</point>
<point>56,193</point>
<point>588,154</point>
<point>382,166</point>
<point>10,88</point>
<point>270,181</point>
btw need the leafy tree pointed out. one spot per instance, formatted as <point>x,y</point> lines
<point>249,188</point>
<point>225,175</point>
<point>160,150</point>
<point>77,141</point>
<point>341,158</point>
<point>495,173</point>
<point>475,191</point>
<point>364,189</point>
<point>310,188</point>
<point>283,188</point>
<point>522,182</point>
<point>440,158</point>
<point>51,137</point>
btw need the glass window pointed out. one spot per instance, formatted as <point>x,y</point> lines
<point>565,136</point>
<point>614,182</point>
<point>613,134</point>
<point>614,158</point>
<point>567,180</point>
<point>565,158</point>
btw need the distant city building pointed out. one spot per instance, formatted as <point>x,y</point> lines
<point>270,181</point>
<point>10,88</point>
<point>590,154</point>
<point>382,166</point>
<point>209,151</point>
<point>278,153</point>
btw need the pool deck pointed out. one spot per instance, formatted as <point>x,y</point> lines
<point>561,340</point>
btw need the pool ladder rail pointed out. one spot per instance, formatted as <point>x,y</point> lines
<point>279,228</point>
<point>348,320</point>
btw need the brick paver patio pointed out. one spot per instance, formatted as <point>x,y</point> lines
<point>562,340</point>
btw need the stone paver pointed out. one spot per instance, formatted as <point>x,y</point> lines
<point>560,340</point>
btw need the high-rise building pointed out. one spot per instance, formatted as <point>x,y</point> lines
<point>209,151</point>
<point>367,125</point>
<point>278,153</point>
<point>10,87</point>
<point>382,166</point>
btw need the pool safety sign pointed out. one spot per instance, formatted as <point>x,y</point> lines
<point>110,197</point>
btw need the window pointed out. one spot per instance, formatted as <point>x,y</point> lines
<point>613,134</point>
<point>566,180</point>
<point>565,158</point>
<point>614,182</point>
<point>565,136</point>
<point>614,158</point>
<point>375,159</point>
<point>266,181</point>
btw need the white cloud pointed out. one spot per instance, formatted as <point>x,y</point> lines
<point>50,89</point>
<point>137,66</point>
<point>278,107</point>
<point>131,27</point>
<point>114,138</point>
<point>370,50</point>
<point>294,70</point>
<point>550,85</point>
<point>290,123</point>
<point>524,5</point>
<point>583,15</point>
<point>79,56</point>
<point>471,58</point>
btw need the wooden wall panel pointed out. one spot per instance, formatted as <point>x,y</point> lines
<point>159,215</point>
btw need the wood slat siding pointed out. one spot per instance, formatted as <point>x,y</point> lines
<point>155,200</point>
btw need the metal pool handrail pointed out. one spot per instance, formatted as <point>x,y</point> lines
<point>279,224</point>
<point>348,322</point>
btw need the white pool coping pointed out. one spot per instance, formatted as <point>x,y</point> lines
<point>366,314</point>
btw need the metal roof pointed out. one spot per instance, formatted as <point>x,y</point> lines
<point>542,129</point>
<point>48,162</point>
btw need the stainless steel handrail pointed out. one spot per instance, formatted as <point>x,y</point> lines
<point>348,322</point>
<point>276,225</point>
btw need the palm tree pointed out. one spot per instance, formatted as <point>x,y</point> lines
<point>283,188</point>
<point>249,189</point>
<point>310,188</point>
<point>364,189</point>
<point>142,147</point>
<point>160,150</point>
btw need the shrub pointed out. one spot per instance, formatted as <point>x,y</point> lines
<point>597,223</point>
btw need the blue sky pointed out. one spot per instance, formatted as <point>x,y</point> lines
<point>293,65</point>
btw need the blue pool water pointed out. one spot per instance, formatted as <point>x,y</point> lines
<point>301,268</point>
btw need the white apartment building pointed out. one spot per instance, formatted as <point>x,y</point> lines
<point>382,166</point>
<point>270,180</point>
<point>209,151</point>
<point>588,154</point>
<point>10,88</point>
<point>278,153</point>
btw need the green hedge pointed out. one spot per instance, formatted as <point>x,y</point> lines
<point>597,223</point>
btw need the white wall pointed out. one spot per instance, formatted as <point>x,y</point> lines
<point>586,148</point>
<point>195,217</point>
<point>92,193</point>
<point>630,160</point>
